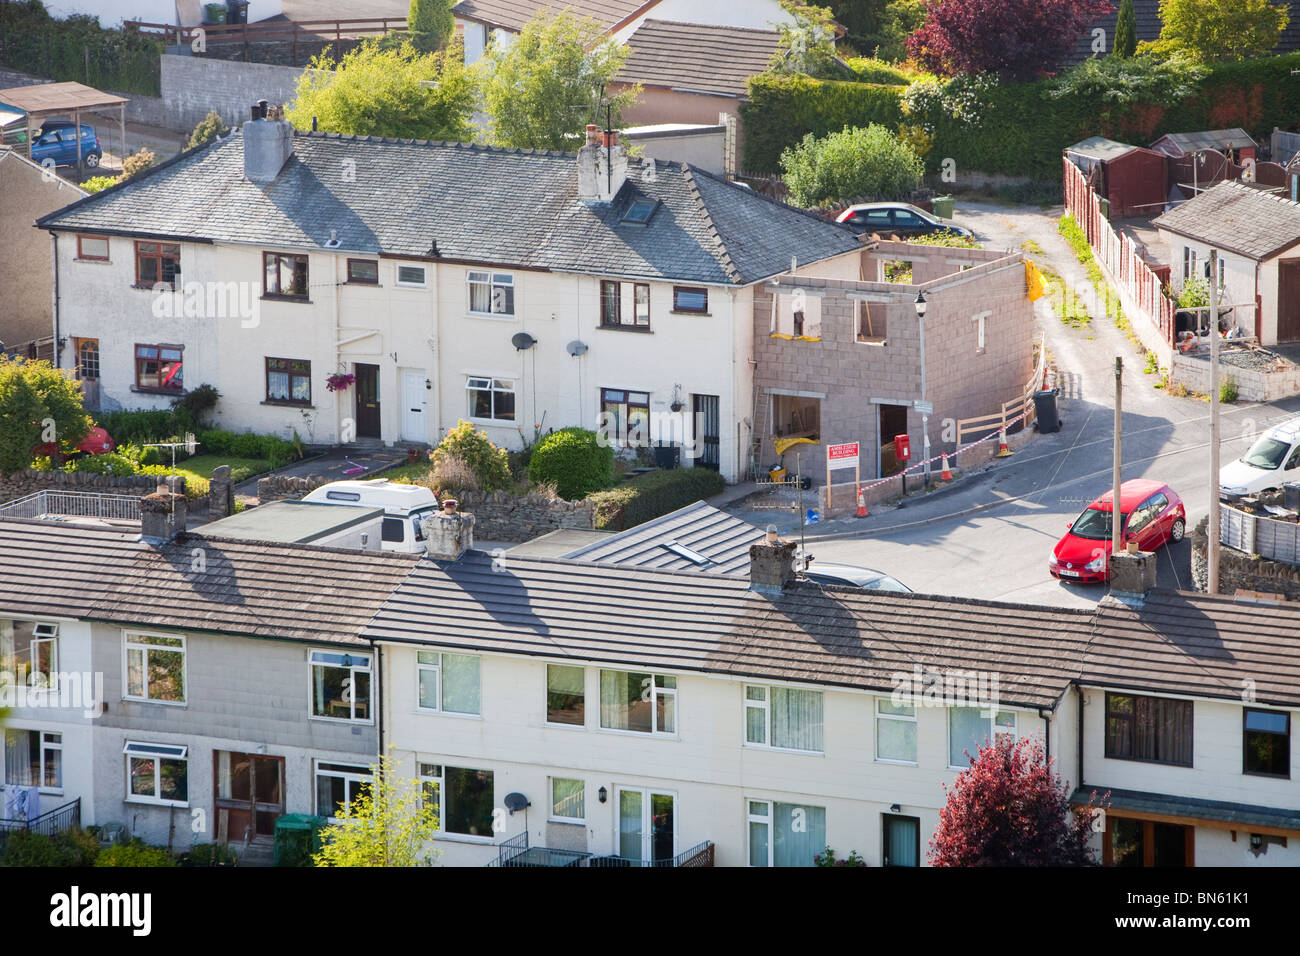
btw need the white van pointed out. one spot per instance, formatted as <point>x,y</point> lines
<point>405,507</point>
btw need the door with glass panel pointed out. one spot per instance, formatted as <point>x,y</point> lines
<point>647,825</point>
<point>901,845</point>
<point>249,794</point>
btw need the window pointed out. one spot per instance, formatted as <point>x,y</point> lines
<point>566,697</point>
<point>34,758</point>
<point>159,368</point>
<point>610,304</point>
<point>463,798</point>
<point>157,262</point>
<point>874,219</point>
<point>625,416</point>
<point>157,773</point>
<point>785,834</point>
<point>612,314</point>
<point>337,785</point>
<point>87,358</point>
<point>92,247</point>
<point>796,416</point>
<point>364,271</point>
<point>30,652</point>
<point>1155,729</point>
<point>411,276</point>
<point>1267,743</point>
<point>1189,263</point>
<point>288,380</point>
<point>492,399</point>
<point>980,323</point>
<point>640,211</point>
<point>155,668</point>
<point>796,315</point>
<point>340,686</point>
<point>568,800</point>
<point>284,274</point>
<point>869,327</point>
<point>447,683</point>
<point>491,293</point>
<point>641,304</point>
<point>638,702</point>
<point>783,717</point>
<point>970,728</point>
<point>895,731</point>
<point>690,299</point>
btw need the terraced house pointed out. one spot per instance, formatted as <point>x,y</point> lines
<point>519,290</point>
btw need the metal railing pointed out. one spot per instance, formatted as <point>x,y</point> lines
<point>49,823</point>
<point>73,504</point>
<point>516,852</point>
<point>699,855</point>
<point>295,31</point>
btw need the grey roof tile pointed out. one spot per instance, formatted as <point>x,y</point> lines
<point>722,538</point>
<point>513,14</point>
<point>1235,217</point>
<point>696,56</point>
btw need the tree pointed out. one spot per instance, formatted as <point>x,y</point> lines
<point>39,405</point>
<point>430,24</point>
<point>1126,39</point>
<point>396,92</point>
<point>209,128</point>
<point>542,89</point>
<point>808,45</point>
<point>386,824</point>
<point>1016,39</point>
<point>137,163</point>
<point>1010,808</point>
<point>1211,30</point>
<point>853,163</point>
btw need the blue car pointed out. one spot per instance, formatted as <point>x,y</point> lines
<point>57,144</point>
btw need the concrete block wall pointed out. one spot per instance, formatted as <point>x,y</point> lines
<point>193,85</point>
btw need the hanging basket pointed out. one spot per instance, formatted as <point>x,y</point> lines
<point>339,381</point>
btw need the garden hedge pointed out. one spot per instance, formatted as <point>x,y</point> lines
<point>653,495</point>
<point>574,460</point>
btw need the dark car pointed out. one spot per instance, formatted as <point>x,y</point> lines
<point>851,576</point>
<point>895,219</point>
<point>57,144</point>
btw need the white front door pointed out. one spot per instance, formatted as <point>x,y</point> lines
<point>414,399</point>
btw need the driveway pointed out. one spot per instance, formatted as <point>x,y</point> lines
<point>334,465</point>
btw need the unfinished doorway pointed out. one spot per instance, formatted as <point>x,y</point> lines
<point>893,421</point>
<point>1288,300</point>
<point>796,416</point>
<point>249,796</point>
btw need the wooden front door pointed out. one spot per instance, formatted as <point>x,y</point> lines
<point>249,795</point>
<point>367,401</point>
<point>1288,300</point>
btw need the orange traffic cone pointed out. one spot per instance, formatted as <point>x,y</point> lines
<point>946,475</point>
<point>1003,450</point>
<point>862,503</point>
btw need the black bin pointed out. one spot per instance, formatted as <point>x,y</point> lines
<point>668,456</point>
<point>1046,416</point>
<point>1291,496</point>
<point>236,11</point>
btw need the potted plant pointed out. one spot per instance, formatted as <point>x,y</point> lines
<point>339,381</point>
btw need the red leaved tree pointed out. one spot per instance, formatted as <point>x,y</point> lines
<point>1011,809</point>
<point>1016,39</point>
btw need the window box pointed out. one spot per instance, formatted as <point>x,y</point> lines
<point>157,262</point>
<point>448,684</point>
<point>153,668</point>
<point>363,271</point>
<point>638,702</point>
<point>340,686</point>
<point>288,381</point>
<point>92,248</point>
<point>157,773</point>
<point>160,368</point>
<point>1149,729</point>
<point>783,718</point>
<point>491,293</point>
<point>491,399</point>
<point>691,299</point>
<point>284,275</point>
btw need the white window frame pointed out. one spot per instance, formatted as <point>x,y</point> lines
<point>403,284</point>
<point>491,386</point>
<point>656,692</point>
<point>980,321</point>
<point>44,746</point>
<point>423,667</point>
<point>901,719</point>
<point>1189,263</point>
<point>994,733</point>
<point>128,645</point>
<point>142,750</point>
<point>353,670</point>
<point>440,780</point>
<point>765,705</point>
<point>546,703</point>
<point>493,280</point>
<point>554,817</point>
<point>765,820</point>
<point>358,774</point>
<point>43,632</point>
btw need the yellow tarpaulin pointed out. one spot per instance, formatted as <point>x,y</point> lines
<point>782,445</point>
<point>1037,288</point>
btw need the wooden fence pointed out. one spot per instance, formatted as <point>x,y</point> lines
<point>305,32</point>
<point>1252,534</point>
<point>1118,254</point>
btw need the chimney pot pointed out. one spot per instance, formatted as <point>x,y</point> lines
<point>449,506</point>
<point>593,134</point>
<point>448,534</point>
<point>771,563</point>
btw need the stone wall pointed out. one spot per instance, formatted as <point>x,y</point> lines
<point>1253,385</point>
<point>29,482</point>
<point>193,85</point>
<point>1245,571</point>
<point>277,487</point>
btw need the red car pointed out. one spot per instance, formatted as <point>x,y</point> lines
<point>96,442</point>
<point>1152,515</point>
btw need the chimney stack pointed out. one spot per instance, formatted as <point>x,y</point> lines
<point>1132,575</point>
<point>448,533</point>
<point>162,515</point>
<point>268,143</point>
<point>771,563</point>
<point>602,166</point>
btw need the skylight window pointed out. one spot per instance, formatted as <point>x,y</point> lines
<point>684,552</point>
<point>640,211</point>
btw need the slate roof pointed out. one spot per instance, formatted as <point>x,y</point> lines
<point>1145,12</point>
<point>1194,808</point>
<point>479,204</point>
<point>288,591</point>
<point>513,14</point>
<point>1234,217</point>
<point>1197,645</point>
<point>722,538</point>
<point>712,623</point>
<point>1180,144</point>
<point>1099,147</point>
<point>714,59</point>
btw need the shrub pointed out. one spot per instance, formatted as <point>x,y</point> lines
<point>873,70</point>
<point>452,473</point>
<point>76,847</point>
<point>855,162</point>
<point>490,464</point>
<point>210,127</point>
<point>217,441</point>
<point>134,853</point>
<point>97,184</point>
<point>1228,390</point>
<point>652,495</point>
<point>112,463</point>
<point>207,854</point>
<point>574,460</point>
<point>196,404</point>
<point>137,163</point>
<point>140,426</point>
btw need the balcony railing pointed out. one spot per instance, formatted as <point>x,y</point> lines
<point>516,852</point>
<point>73,504</point>
<point>49,823</point>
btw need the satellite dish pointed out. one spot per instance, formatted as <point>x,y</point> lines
<point>576,347</point>
<point>522,341</point>
<point>516,801</point>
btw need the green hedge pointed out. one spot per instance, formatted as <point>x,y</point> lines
<point>218,441</point>
<point>76,48</point>
<point>1022,130</point>
<point>574,460</point>
<point>653,495</point>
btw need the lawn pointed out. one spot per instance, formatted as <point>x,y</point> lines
<point>199,468</point>
<point>413,472</point>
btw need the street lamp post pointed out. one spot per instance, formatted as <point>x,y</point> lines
<point>925,417</point>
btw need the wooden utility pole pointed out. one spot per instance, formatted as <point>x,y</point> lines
<point>1212,544</point>
<point>1116,514</point>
